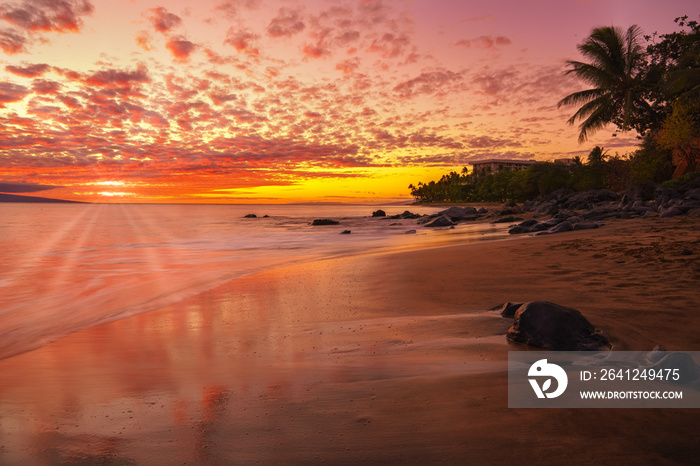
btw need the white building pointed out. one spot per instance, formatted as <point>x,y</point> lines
<point>496,165</point>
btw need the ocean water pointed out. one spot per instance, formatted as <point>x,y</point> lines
<point>66,267</point>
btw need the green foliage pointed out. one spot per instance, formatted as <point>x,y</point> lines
<point>539,179</point>
<point>688,177</point>
<point>650,162</point>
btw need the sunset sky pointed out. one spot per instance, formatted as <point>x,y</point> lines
<point>287,101</point>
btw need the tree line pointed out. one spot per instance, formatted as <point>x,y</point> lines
<point>654,91</point>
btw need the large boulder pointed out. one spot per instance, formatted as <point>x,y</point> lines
<point>553,327</point>
<point>455,212</point>
<point>379,213</point>
<point>441,221</point>
<point>670,212</point>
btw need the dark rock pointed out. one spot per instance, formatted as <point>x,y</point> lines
<point>528,223</point>
<point>559,196</point>
<point>409,215</point>
<point>694,212</point>
<point>546,325</point>
<point>508,219</point>
<point>251,216</point>
<point>641,207</point>
<point>325,221</point>
<point>586,226</point>
<point>643,191</point>
<point>518,230</point>
<point>687,204</point>
<point>345,232</point>
<point>686,252</point>
<point>533,226</point>
<point>505,212</point>
<point>395,224</point>
<point>670,212</point>
<point>410,232</point>
<point>664,195</point>
<point>565,214</point>
<point>441,221</point>
<point>549,223</point>
<point>528,206</point>
<point>379,213</point>
<point>588,199</point>
<point>455,212</point>
<point>562,227</point>
<point>266,216</point>
<point>693,194</point>
<point>482,210</point>
<point>600,212</point>
<point>508,309</point>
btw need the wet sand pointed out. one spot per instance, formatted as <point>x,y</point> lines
<point>383,358</point>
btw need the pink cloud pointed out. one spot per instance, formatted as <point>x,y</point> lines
<point>220,99</point>
<point>181,48</point>
<point>230,8</point>
<point>162,20</point>
<point>485,42</point>
<point>389,45</point>
<point>47,15</point>
<point>315,51</point>
<point>428,82</point>
<point>493,83</point>
<point>348,66</point>
<point>10,92</point>
<point>116,79</point>
<point>46,87</point>
<point>286,24</point>
<point>12,42</point>
<point>28,71</point>
<point>243,41</point>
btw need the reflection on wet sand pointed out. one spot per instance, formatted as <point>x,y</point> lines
<point>241,373</point>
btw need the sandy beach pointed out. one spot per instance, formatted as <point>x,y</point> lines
<point>378,358</point>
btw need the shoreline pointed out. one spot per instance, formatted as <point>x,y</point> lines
<point>384,357</point>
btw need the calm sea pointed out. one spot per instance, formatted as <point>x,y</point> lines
<point>65,267</point>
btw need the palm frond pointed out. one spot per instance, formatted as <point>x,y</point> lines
<point>580,97</point>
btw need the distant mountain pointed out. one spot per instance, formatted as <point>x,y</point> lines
<point>18,198</point>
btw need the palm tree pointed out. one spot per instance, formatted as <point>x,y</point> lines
<point>614,61</point>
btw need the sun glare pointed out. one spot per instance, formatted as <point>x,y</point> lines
<point>110,183</point>
<point>114,193</point>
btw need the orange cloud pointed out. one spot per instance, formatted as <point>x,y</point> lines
<point>47,15</point>
<point>243,41</point>
<point>115,79</point>
<point>162,20</point>
<point>10,92</point>
<point>28,71</point>
<point>12,42</point>
<point>181,48</point>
